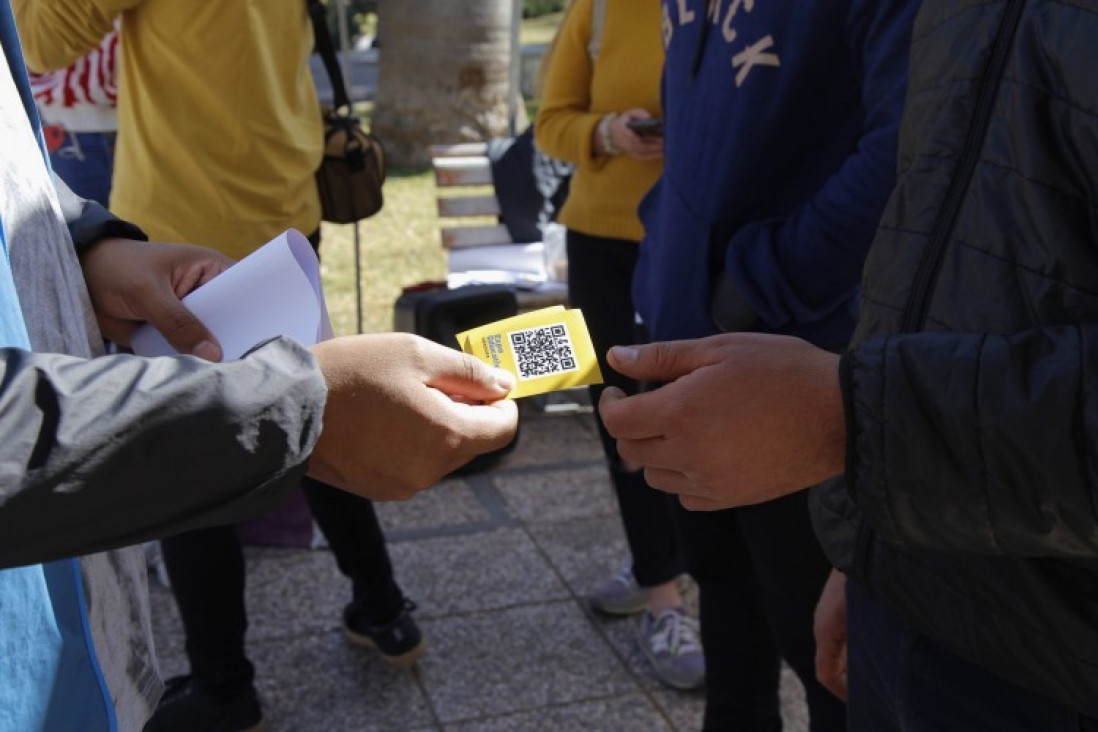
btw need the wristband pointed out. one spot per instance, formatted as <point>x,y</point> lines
<point>604,135</point>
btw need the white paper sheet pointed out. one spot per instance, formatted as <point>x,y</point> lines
<point>527,259</point>
<point>273,291</point>
<point>521,265</point>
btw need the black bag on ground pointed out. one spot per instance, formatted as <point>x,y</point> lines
<point>352,171</point>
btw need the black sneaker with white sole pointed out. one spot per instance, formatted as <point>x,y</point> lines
<point>399,641</point>
<point>186,707</point>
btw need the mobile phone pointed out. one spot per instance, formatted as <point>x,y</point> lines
<point>646,127</point>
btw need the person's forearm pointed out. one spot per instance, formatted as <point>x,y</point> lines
<point>773,267</point>
<point>55,33</point>
<point>565,125</point>
<point>117,450</point>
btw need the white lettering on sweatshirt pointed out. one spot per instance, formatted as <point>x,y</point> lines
<point>754,55</point>
<point>746,55</point>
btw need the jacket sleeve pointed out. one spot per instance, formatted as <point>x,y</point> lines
<point>981,444</point>
<point>566,123</point>
<point>55,33</point>
<point>117,450</point>
<point>88,221</point>
<point>772,266</point>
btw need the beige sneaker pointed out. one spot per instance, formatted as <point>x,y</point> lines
<point>620,594</point>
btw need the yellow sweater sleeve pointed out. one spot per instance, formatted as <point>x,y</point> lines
<point>566,123</point>
<point>605,189</point>
<point>55,33</point>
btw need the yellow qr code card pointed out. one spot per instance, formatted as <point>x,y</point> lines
<point>546,350</point>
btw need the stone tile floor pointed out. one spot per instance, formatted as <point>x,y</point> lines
<point>499,563</point>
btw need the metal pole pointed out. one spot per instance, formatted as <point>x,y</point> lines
<point>345,62</point>
<point>515,85</point>
<point>358,278</point>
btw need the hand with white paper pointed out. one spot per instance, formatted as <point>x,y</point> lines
<point>274,291</point>
<point>403,411</point>
<point>133,282</point>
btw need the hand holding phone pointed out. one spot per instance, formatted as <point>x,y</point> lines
<point>636,134</point>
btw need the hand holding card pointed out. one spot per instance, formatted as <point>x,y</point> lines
<point>546,350</point>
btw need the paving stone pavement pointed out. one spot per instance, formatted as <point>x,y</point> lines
<point>499,564</point>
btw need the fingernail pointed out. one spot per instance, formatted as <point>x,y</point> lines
<point>207,350</point>
<point>505,379</point>
<point>611,394</point>
<point>625,354</point>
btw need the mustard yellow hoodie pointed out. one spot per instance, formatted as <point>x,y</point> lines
<point>219,127</point>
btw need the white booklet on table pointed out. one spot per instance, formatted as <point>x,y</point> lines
<point>273,291</point>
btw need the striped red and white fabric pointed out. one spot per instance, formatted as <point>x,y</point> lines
<point>83,96</point>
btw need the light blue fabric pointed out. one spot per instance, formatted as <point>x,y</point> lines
<point>13,332</point>
<point>85,703</point>
<point>30,649</point>
<point>49,677</point>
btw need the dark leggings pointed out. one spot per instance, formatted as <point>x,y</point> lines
<point>759,571</point>
<point>206,568</point>
<point>600,276</point>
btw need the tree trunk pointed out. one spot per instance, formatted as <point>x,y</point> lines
<point>444,73</point>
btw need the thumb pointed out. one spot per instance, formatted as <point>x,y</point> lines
<point>459,374</point>
<point>181,328</point>
<point>655,362</point>
<point>488,426</point>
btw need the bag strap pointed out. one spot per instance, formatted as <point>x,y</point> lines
<point>598,20</point>
<point>326,49</point>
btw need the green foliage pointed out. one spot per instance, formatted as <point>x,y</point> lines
<point>361,18</point>
<point>537,8</point>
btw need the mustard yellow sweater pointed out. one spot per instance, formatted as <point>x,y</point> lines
<point>605,191</point>
<point>219,128</point>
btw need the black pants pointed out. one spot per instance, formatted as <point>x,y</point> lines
<point>901,679</point>
<point>206,568</point>
<point>600,279</point>
<point>759,571</point>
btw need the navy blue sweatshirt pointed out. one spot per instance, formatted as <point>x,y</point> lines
<point>781,121</point>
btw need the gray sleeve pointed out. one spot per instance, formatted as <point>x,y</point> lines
<point>117,450</point>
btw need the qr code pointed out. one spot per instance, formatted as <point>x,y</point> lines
<point>543,351</point>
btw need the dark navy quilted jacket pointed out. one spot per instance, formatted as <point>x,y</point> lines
<point>971,502</point>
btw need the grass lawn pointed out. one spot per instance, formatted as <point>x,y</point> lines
<point>539,30</point>
<point>398,247</point>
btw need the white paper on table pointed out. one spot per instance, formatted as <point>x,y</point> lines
<point>273,291</point>
<point>527,259</point>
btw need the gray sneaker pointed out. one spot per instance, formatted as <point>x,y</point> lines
<point>670,643</point>
<point>619,595</point>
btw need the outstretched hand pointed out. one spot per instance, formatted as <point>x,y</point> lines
<point>133,282</point>
<point>403,411</point>
<point>742,418</point>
